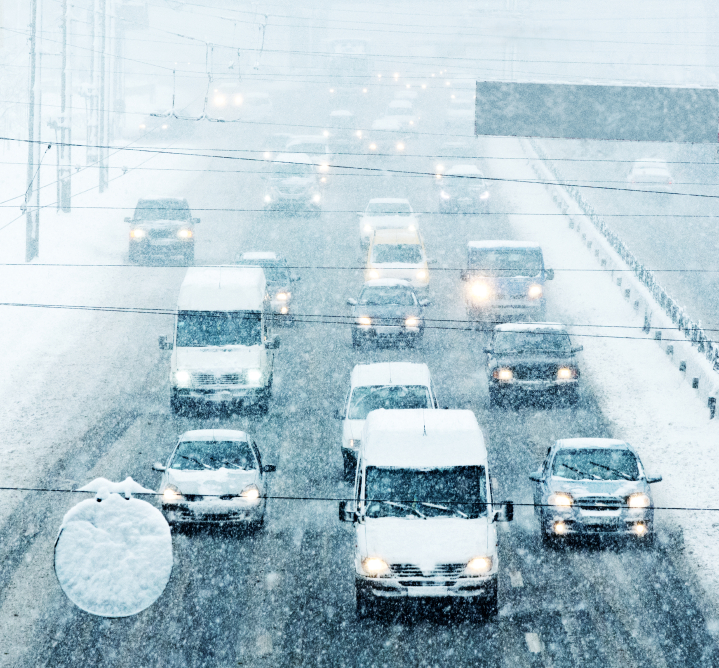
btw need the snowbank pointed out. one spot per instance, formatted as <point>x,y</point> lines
<point>113,557</point>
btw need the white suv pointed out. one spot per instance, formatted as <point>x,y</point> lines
<point>384,213</point>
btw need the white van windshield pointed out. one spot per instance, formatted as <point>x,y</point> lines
<point>397,253</point>
<point>459,491</point>
<point>372,397</point>
<point>198,329</point>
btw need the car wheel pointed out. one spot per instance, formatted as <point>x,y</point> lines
<point>495,398</point>
<point>490,605</point>
<point>176,404</point>
<point>349,467</point>
<point>356,340</point>
<point>256,525</point>
<point>366,605</point>
<point>189,257</point>
<point>133,255</point>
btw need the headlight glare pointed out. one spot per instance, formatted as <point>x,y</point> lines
<point>535,291</point>
<point>182,378</point>
<point>561,500</point>
<point>503,374</point>
<point>138,234</point>
<point>184,234</point>
<point>480,290</point>
<point>566,373</point>
<point>375,566</point>
<point>365,321</point>
<point>283,296</point>
<point>445,195</point>
<point>253,375</point>
<point>251,493</point>
<point>640,500</point>
<point>367,228</point>
<point>480,565</point>
<point>411,322</point>
<point>354,443</point>
<point>171,494</point>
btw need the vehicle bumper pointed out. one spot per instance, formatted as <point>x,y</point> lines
<point>532,387</point>
<point>506,309</point>
<point>388,332</point>
<point>161,247</point>
<point>288,202</point>
<point>459,588</point>
<point>617,523</point>
<point>215,512</point>
<point>220,395</point>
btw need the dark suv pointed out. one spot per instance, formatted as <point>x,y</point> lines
<point>162,228</point>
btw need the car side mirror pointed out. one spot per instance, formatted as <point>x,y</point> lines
<point>352,302</point>
<point>128,219</point>
<point>159,467</point>
<point>653,478</point>
<point>488,351</point>
<point>269,468</point>
<point>536,476</point>
<point>505,512</point>
<point>432,261</point>
<point>577,349</point>
<point>294,278</point>
<point>164,343</point>
<point>464,276</point>
<point>549,274</point>
<point>424,302</point>
<point>273,343</point>
<point>339,414</point>
<point>347,513</point>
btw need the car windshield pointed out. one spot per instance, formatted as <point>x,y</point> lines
<point>283,170</point>
<point>531,341</point>
<point>399,296</point>
<point>162,209</point>
<point>197,329</point>
<point>372,397</point>
<point>388,209</point>
<point>397,253</point>
<point>505,262</point>
<point>212,455</point>
<point>459,491</point>
<point>274,273</point>
<point>596,464</point>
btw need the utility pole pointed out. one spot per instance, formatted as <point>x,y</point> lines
<point>102,130</point>
<point>32,224</point>
<point>64,161</point>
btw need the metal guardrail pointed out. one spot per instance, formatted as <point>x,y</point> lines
<point>692,330</point>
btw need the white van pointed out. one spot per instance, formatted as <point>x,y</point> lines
<point>222,347</point>
<point>391,385</point>
<point>422,510</point>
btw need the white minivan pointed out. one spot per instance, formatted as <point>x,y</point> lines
<point>398,385</point>
<point>222,352</point>
<point>422,510</point>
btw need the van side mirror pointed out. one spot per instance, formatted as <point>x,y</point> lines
<point>505,512</point>
<point>653,478</point>
<point>347,513</point>
<point>164,343</point>
<point>273,343</point>
<point>536,476</point>
<point>295,277</point>
<point>464,276</point>
<point>158,467</point>
<point>195,221</point>
<point>269,468</point>
<point>128,219</point>
<point>352,301</point>
<point>549,274</point>
<point>488,351</point>
<point>339,414</point>
<point>424,302</point>
<point>577,349</point>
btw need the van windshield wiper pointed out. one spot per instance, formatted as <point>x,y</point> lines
<point>609,468</point>
<point>451,510</point>
<point>404,506</point>
<point>571,468</point>
<point>197,461</point>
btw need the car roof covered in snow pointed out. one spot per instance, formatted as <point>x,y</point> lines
<point>389,200</point>
<point>307,139</point>
<point>502,244</point>
<point>463,170</point>
<point>579,443</point>
<point>400,104</point>
<point>395,236</point>
<point>222,289</point>
<point>531,327</point>
<point>260,255</point>
<point>422,439</point>
<point>294,158</point>
<point>341,112</point>
<point>387,123</point>
<point>214,435</point>
<point>390,373</point>
<point>387,283</point>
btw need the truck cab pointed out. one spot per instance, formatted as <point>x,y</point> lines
<point>222,348</point>
<point>422,510</point>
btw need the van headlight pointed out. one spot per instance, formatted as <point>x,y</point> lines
<point>364,321</point>
<point>479,565</point>
<point>640,500</point>
<point>421,274</point>
<point>138,234</point>
<point>253,375</point>
<point>251,493</point>
<point>171,494</point>
<point>411,322</point>
<point>375,566</point>
<point>283,296</point>
<point>566,373</point>
<point>182,378</point>
<point>373,273</point>
<point>560,499</point>
<point>184,234</point>
<point>480,291</point>
<point>444,195</point>
<point>368,228</point>
<point>503,373</point>
<point>535,291</point>
<point>268,199</point>
<point>316,198</point>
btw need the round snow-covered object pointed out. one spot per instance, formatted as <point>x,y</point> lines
<point>113,557</point>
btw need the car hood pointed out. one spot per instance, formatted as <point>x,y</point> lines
<point>295,181</point>
<point>580,488</point>
<point>440,540</point>
<point>386,310</point>
<point>221,481</point>
<point>161,224</point>
<point>530,358</point>
<point>389,222</point>
<point>514,286</point>
<point>219,357</point>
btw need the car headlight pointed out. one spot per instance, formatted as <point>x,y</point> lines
<point>484,195</point>
<point>445,195</point>
<point>354,443</point>
<point>373,147</point>
<point>560,499</point>
<point>283,296</point>
<point>421,274</point>
<point>182,378</point>
<point>253,375</point>
<point>251,493</point>
<point>184,234</point>
<point>535,291</point>
<point>479,565</point>
<point>219,100</point>
<point>171,494</point>
<point>268,199</point>
<point>375,566</point>
<point>411,228</point>
<point>566,373</point>
<point>640,500</point>
<point>480,290</point>
<point>400,146</point>
<point>364,321</point>
<point>324,167</point>
<point>137,234</point>
<point>411,322</point>
<point>368,228</point>
<point>316,198</point>
<point>267,155</point>
<point>373,273</point>
<point>237,100</point>
<point>503,374</point>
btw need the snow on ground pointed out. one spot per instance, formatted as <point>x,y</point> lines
<point>638,390</point>
<point>113,556</point>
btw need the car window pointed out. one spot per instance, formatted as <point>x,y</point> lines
<point>388,209</point>
<point>197,329</point>
<point>505,262</point>
<point>399,253</point>
<point>372,397</point>
<point>595,464</point>
<point>388,295</point>
<point>213,455</point>
<point>162,209</point>
<point>531,341</point>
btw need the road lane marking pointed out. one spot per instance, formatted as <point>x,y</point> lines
<point>533,643</point>
<point>515,577</point>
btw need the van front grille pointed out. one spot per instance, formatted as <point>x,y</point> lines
<point>216,379</point>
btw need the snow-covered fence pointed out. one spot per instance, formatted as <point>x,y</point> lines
<point>698,356</point>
